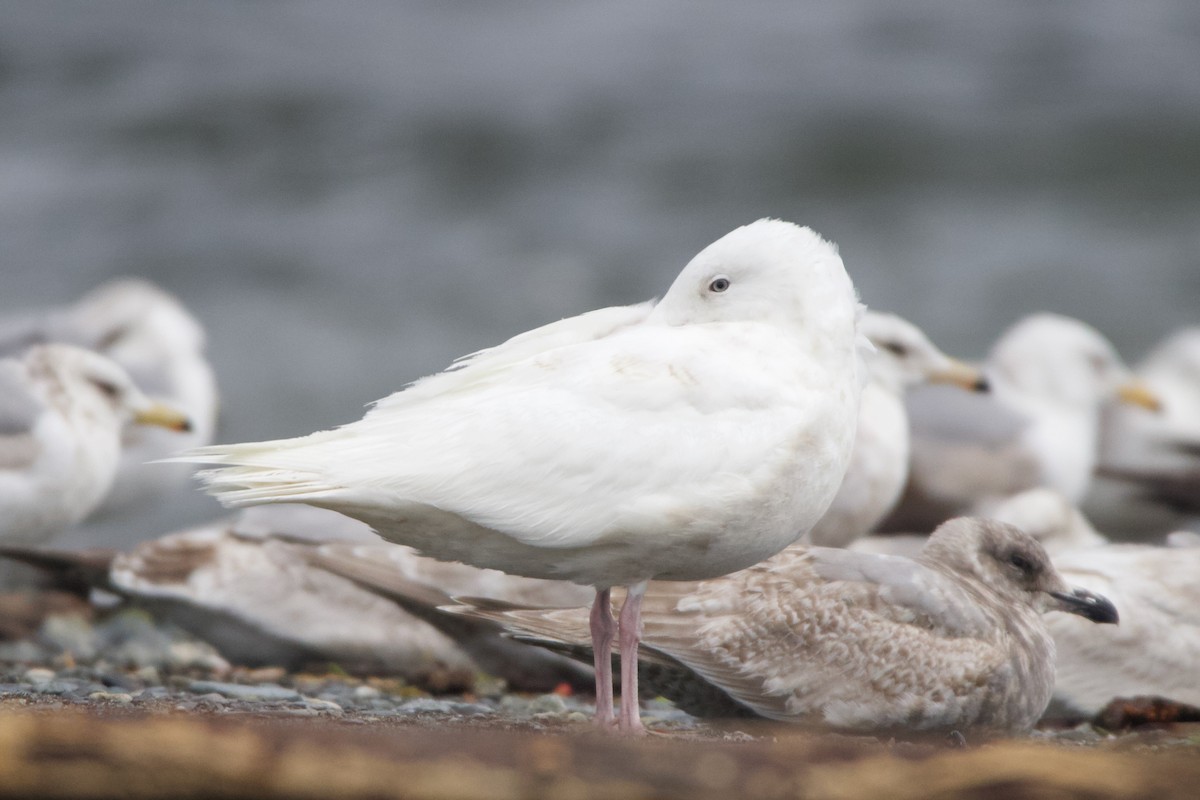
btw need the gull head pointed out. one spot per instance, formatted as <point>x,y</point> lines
<point>905,357</point>
<point>1013,565</point>
<point>1065,362</point>
<point>97,386</point>
<point>768,271</point>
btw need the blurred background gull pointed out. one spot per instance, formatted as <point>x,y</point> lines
<point>349,195</point>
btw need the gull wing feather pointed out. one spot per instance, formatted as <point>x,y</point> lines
<point>790,637</point>
<point>20,411</point>
<point>607,395</point>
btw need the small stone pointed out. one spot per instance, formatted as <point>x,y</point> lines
<point>214,698</point>
<point>24,651</point>
<point>148,674</point>
<point>489,685</point>
<point>39,675</point>
<point>577,716</point>
<point>238,691</point>
<point>70,633</point>
<point>54,687</point>
<point>263,675</point>
<point>187,655</point>
<point>322,705</point>
<point>1084,733</point>
<point>120,698</point>
<point>548,704</point>
<point>300,712</point>
<point>366,693</point>
<point>512,704</point>
<point>425,705</point>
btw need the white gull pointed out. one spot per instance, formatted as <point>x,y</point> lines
<point>161,345</point>
<point>62,410</point>
<point>693,441</point>
<point>1050,376</point>
<point>1148,480</point>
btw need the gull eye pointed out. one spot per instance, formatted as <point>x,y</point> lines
<point>895,348</point>
<point>108,389</point>
<point>1021,562</point>
<point>719,284</point>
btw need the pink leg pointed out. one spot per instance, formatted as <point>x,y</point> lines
<point>630,634</point>
<point>603,630</point>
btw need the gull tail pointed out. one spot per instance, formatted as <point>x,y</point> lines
<point>254,473</point>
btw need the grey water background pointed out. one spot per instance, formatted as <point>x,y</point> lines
<point>351,194</point>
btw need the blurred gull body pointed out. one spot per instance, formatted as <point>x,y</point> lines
<point>953,640</point>
<point>62,411</point>
<point>162,347</point>
<point>903,357</point>
<point>257,600</point>
<point>1148,481</point>
<point>625,455</point>
<point>1049,376</point>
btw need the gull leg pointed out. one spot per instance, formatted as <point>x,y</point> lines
<point>630,634</point>
<point>603,630</point>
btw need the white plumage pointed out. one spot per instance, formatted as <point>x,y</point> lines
<point>1050,375</point>
<point>681,440</point>
<point>62,410</point>
<point>903,358</point>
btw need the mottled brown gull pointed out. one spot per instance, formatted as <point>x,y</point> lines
<point>903,357</point>
<point>695,440</point>
<point>951,640</point>
<point>1050,376</point>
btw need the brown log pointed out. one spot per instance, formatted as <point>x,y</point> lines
<point>98,751</point>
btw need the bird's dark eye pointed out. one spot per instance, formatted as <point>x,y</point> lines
<point>719,284</point>
<point>110,390</point>
<point>1021,562</point>
<point>895,348</point>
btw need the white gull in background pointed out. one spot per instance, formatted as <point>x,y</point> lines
<point>693,441</point>
<point>1148,481</point>
<point>1049,377</point>
<point>1050,518</point>
<point>62,411</point>
<point>161,345</point>
<point>903,357</point>
<point>953,640</point>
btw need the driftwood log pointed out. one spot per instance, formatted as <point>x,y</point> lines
<point>98,752</point>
